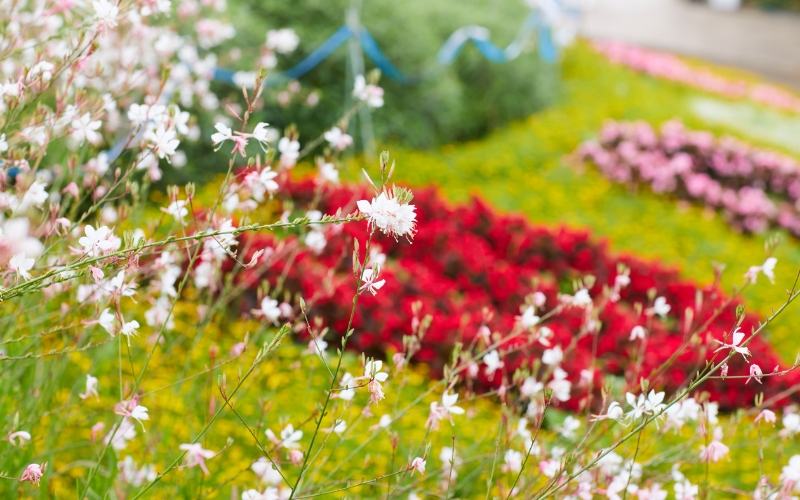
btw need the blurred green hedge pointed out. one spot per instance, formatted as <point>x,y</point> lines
<point>775,4</point>
<point>456,103</point>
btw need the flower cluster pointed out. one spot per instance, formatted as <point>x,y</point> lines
<point>755,189</point>
<point>671,67</point>
<point>472,270</point>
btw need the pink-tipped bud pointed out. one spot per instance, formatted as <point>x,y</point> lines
<point>238,349</point>
<point>72,189</point>
<point>296,456</point>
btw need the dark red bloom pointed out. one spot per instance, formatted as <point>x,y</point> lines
<point>468,257</point>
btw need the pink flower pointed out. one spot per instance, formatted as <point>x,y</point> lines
<point>755,373</point>
<point>196,456</point>
<point>22,435</point>
<point>237,349</point>
<point>133,410</point>
<point>715,450</point>
<point>296,457</point>
<point>97,429</point>
<point>399,360</point>
<point>447,409</point>
<point>72,189</point>
<point>766,416</point>
<point>33,473</point>
<point>418,464</point>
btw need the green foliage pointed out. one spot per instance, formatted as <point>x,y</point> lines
<point>459,102</point>
<point>775,4</point>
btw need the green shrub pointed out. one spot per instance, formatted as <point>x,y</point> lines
<point>455,103</point>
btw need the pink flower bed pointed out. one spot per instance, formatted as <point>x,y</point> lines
<point>754,189</point>
<point>671,67</point>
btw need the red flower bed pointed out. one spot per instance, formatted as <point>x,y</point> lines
<point>468,257</point>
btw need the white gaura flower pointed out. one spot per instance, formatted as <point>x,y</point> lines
<point>290,151</point>
<point>338,139</point>
<point>448,403</point>
<point>269,310</point>
<point>283,41</point>
<point>163,141</point>
<point>21,265</point>
<point>684,490</point>
<point>262,134</point>
<point>348,382</point>
<point>391,217</point>
<point>529,319</point>
<point>552,356</point>
<point>530,387</point>
<point>339,426</point>
<point>493,363</point>
<point>370,282</point>
<point>328,172</point>
<point>35,196</point>
<point>660,307</point>
<point>372,371</point>
<point>768,268</point>
<point>105,14</point>
<point>139,413</point>
<point>271,493</point>
<point>290,438</point>
<point>791,471</point>
<point>638,332</point>
<point>106,320</point>
<point>638,406</point>
<point>97,241</point>
<point>316,241</point>
<point>513,460</point>
<point>614,412</point>
<point>569,426</point>
<point>129,329</point>
<point>261,183</point>
<point>371,94</point>
<point>85,129</point>
<point>582,298</point>
<point>736,339</point>
<point>223,134</point>
<point>177,209</point>
<point>117,285</point>
<point>560,386</point>
<point>34,135</point>
<point>264,470</point>
<point>791,424</point>
<point>91,388</point>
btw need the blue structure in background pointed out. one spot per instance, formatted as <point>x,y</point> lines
<point>447,54</point>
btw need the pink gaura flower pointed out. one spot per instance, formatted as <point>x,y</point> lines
<point>418,464</point>
<point>196,456</point>
<point>33,473</point>
<point>755,373</point>
<point>766,416</point>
